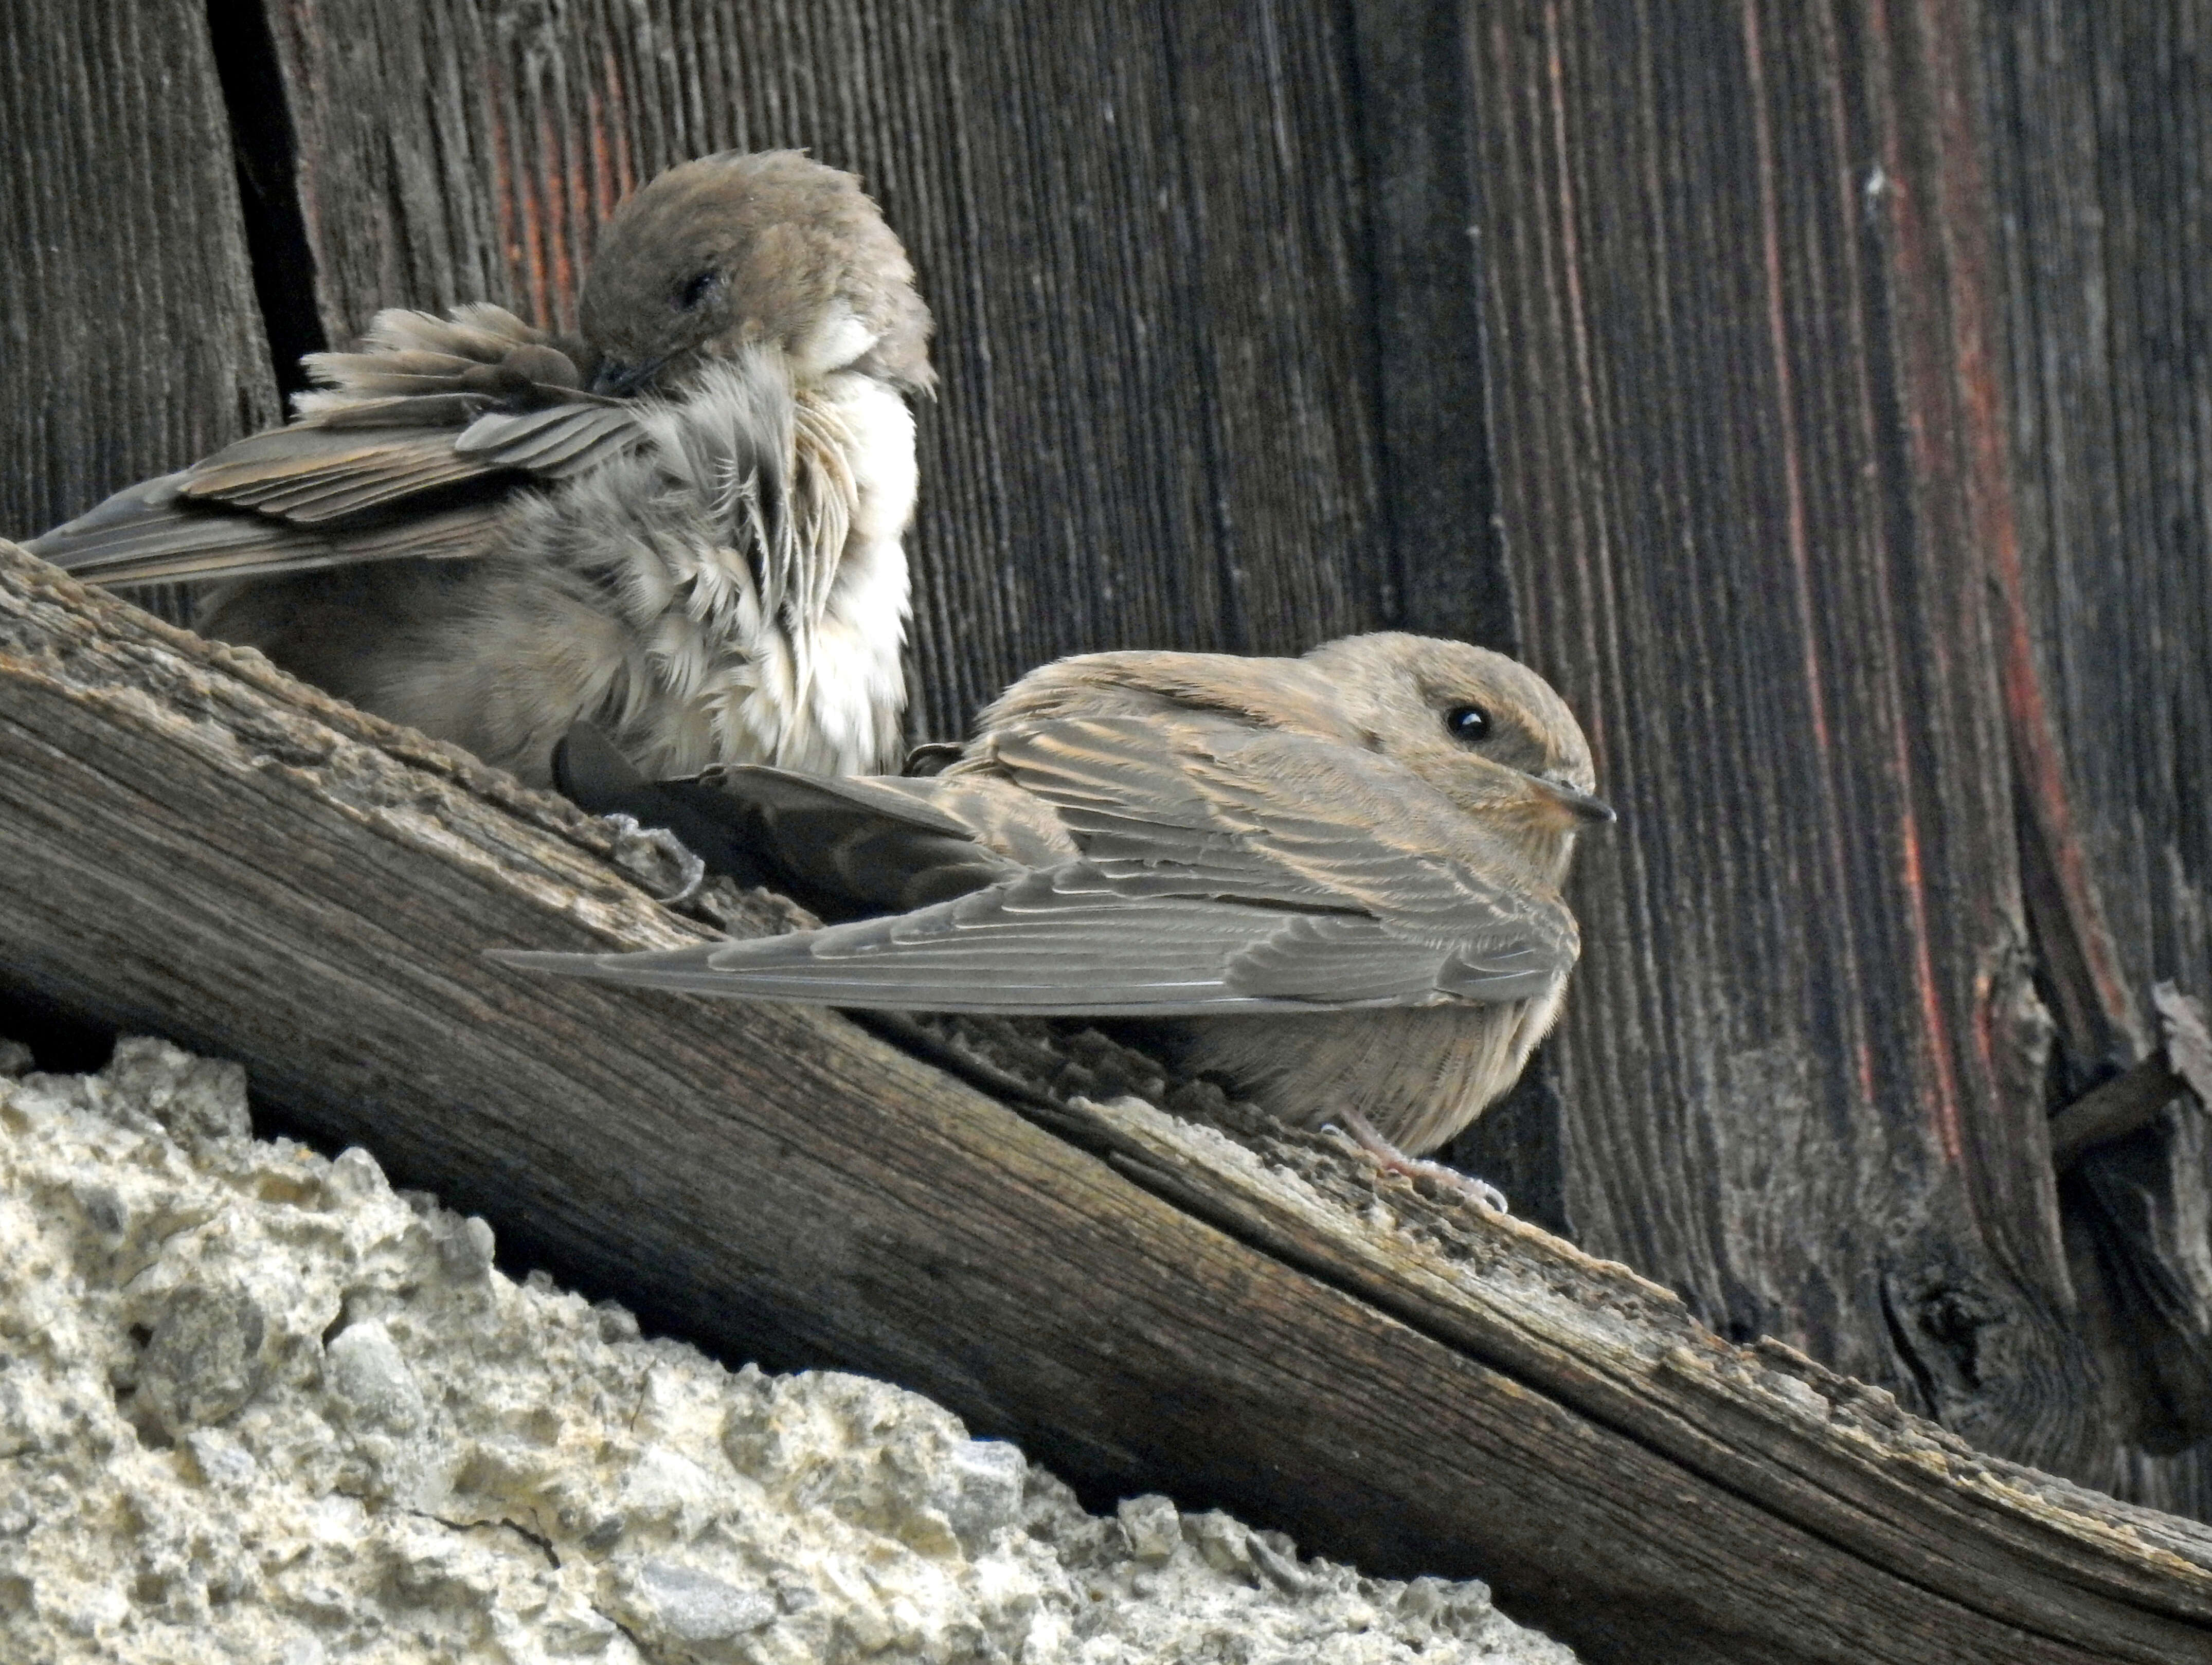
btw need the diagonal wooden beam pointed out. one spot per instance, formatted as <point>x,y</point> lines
<point>193,844</point>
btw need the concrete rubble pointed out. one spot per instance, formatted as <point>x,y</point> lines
<point>256,1405</point>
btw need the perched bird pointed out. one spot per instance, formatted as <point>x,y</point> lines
<point>1333,881</point>
<point>685,527</point>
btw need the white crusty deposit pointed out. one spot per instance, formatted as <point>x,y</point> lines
<point>255,1406</point>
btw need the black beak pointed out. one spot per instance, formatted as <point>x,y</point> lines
<point>1586,807</point>
<point>615,379</point>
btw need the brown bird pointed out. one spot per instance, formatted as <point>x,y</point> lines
<point>685,527</point>
<point>1332,881</point>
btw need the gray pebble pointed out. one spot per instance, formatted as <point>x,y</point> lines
<point>354,1176</point>
<point>1151,1526</point>
<point>364,1368</point>
<point>986,1476</point>
<point>464,1247</point>
<point>204,1362</point>
<point>223,1461</point>
<point>195,1099</point>
<point>696,1606</point>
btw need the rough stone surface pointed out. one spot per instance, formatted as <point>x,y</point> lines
<point>255,1405</point>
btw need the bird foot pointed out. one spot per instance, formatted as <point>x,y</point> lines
<point>689,868</point>
<point>1391,1160</point>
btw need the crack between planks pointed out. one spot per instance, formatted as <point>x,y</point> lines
<point>265,148</point>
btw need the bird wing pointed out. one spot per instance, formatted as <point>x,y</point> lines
<point>843,845</point>
<point>410,449</point>
<point>849,845</point>
<point>1223,869</point>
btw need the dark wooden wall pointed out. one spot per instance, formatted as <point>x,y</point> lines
<point>2101,127</point>
<point>1817,393</point>
<point>131,340</point>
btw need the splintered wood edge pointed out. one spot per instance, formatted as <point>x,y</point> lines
<point>1837,1456</point>
<point>207,704</point>
<point>1830,1455</point>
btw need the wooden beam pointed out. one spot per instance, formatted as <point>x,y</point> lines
<point>194,845</point>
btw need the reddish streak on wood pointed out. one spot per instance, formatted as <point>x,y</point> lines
<point>519,212</point>
<point>561,273</point>
<point>604,192</point>
<point>576,221</point>
<point>1947,1126</point>
<point>625,172</point>
<point>2034,740</point>
<point>502,187</point>
<point>1930,464</point>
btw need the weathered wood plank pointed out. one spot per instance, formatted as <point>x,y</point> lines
<point>1142,230</point>
<point>191,843</point>
<point>1697,1398</point>
<point>1752,481</point>
<point>132,338</point>
<point>2100,121</point>
<point>1418,120</point>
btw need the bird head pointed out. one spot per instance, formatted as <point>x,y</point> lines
<point>1484,729</point>
<point>735,251</point>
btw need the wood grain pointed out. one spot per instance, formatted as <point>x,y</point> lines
<point>132,340</point>
<point>2101,135</point>
<point>1741,380</point>
<point>193,844</point>
<point>1418,119</point>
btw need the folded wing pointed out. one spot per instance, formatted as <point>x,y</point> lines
<point>1221,869</point>
<point>410,449</point>
<point>842,846</point>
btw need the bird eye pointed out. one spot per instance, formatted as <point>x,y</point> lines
<point>696,290</point>
<point>1466,723</point>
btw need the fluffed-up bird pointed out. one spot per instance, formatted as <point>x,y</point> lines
<point>1333,882</point>
<point>685,527</point>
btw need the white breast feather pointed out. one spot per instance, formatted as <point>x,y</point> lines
<point>807,676</point>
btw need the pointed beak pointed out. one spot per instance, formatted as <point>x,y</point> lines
<point>615,379</point>
<point>1577,803</point>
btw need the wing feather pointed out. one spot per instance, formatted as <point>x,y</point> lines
<point>308,476</point>
<point>1061,941</point>
<point>1223,869</point>
<point>476,406</point>
<point>552,444</point>
<point>183,545</point>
